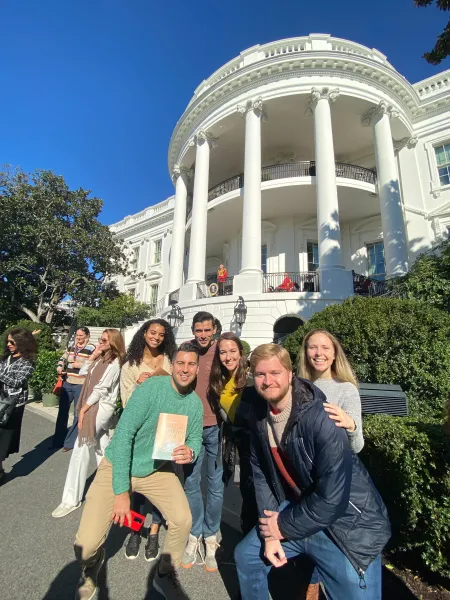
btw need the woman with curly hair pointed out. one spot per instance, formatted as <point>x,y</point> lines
<point>148,354</point>
<point>16,368</point>
<point>231,395</point>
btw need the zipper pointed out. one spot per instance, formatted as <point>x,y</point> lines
<point>303,444</point>
<point>355,507</point>
<point>361,572</point>
<point>362,581</point>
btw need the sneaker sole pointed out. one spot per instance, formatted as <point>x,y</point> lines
<point>209,570</point>
<point>67,513</point>
<point>131,557</point>
<point>188,566</point>
<point>153,558</point>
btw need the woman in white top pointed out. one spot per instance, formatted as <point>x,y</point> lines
<point>96,407</point>
<point>322,360</point>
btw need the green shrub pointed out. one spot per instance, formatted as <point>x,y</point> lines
<point>409,461</point>
<point>44,338</point>
<point>393,341</point>
<point>44,376</point>
<point>246,347</point>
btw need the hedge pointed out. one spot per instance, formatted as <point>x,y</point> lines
<point>44,376</point>
<point>393,341</point>
<point>409,461</point>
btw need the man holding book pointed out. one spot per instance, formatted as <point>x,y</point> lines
<point>131,464</point>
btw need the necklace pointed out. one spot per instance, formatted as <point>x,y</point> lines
<point>155,363</point>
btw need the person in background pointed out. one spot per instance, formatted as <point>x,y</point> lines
<point>16,368</point>
<point>69,366</point>
<point>96,406</point>
<point>149,352</point>
<point>287,285</point>
<point>314,495</point>
<point>205,517</point>
<point>222,276</point>
<point>322,361</point>
<point>231,395</point>
<point>128,466</point>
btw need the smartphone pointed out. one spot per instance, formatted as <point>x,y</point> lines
<point>137,521</point>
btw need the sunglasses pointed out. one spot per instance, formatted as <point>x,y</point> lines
<point>11,343</point>
<point>103,340</point>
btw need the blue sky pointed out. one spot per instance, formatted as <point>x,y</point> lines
<point>92,89</point>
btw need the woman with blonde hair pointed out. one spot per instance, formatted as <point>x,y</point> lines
<point>322,360</point>
<point>96,407</point>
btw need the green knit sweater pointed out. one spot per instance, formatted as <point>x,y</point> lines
<point>131,448</point>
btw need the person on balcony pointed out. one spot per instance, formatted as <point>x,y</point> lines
<point>287,284</point>
<point>222,276</point>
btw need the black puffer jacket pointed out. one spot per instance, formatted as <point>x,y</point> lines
<point>337,494</point>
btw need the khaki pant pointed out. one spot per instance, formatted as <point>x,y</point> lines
<point>162,488</point>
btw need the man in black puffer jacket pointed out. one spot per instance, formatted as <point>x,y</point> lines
<point>314,495</point>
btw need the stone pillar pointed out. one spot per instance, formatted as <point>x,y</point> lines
<point>197,251</point>
<point>249,279</point>
<point>334,279</point>
<point>180,176</point>
<point>392,220</point>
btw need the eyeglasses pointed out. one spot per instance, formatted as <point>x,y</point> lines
<point>103,340</point>
<point>11,343</point>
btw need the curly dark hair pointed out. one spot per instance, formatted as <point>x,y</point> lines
<point>25,343</point>
<point>135,351</point>
<point>220,375</point>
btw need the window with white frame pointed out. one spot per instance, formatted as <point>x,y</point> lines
<point>132,292</point>
<point>135,257</point>
<point>153,297</point>
<point>443,163</point>
<point>264,258</point>
<point>376,267</point>
<point>157,248</point>
<point>312,250</point>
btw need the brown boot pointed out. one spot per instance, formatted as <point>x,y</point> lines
<point>312,593</point>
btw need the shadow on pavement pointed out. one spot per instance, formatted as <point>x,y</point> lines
<point>152,594</point>
<point>32,460</point>
<point>64,585</point>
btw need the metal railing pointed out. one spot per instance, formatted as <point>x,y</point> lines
<point>291,282</point>
<point>156,308</point>
<point>211,288</point>
<point>305,168</point>
<point>367,286</point>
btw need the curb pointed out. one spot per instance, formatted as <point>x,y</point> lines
<point>50,414</point>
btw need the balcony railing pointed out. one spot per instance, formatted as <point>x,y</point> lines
<point>291,282</point>
<point>211,288</point>
<point>286,171</point>
<point>367,286</point>
<point>156,308</point>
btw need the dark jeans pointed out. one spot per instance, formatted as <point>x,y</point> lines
<point>70,393</point>
<point>249,509</point>
<point>221,286</point>
<point>137,504</point>
<point>206,519</point>
<point>334,569</point>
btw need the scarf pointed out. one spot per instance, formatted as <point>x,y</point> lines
<point>86,435</point>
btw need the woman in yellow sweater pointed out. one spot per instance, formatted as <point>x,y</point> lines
<point>231,395</point>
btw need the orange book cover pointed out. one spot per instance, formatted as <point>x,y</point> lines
<point>170,433</point>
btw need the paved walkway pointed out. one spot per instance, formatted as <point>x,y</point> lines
<point>37,556</point>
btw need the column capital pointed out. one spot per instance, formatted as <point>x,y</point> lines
<point>202,137</point>
<point>383,108</point>
<point>406,142</point>
<point>257,106</point>
<point>321,94</point>
<point>181,170</point>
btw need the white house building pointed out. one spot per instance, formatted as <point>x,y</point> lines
<point>310,156</point>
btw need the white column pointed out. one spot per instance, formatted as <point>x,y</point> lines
<point>180,176</point>
<point>392,220</point>
<point>197,252</point>
<point>249,279</point>
<point>333,279</point>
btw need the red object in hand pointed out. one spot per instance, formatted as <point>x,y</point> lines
<point>137,521</point>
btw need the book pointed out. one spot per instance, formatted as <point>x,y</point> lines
<point>170,433</point>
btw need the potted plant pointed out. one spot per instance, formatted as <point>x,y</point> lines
<point>44,378</point>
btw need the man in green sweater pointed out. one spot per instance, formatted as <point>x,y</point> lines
<point>128,466</point>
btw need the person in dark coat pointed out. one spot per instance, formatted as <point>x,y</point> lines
<point>314,495</point>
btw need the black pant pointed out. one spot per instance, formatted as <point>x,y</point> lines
<point>249,509</point>
<point>221,285</point>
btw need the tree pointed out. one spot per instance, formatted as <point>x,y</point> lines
<point>52,244</point>
<point>119,312</point>
<point>442,47</point>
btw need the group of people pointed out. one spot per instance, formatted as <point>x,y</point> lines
<point>290,440</point>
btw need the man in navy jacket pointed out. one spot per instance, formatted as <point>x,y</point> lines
<point>314,495</point>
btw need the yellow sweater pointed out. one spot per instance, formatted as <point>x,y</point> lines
<point>229,399</point>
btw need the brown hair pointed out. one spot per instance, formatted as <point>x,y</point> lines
<point>25,343</point>
<point>117,344</point>
<point>340,368</point>
<point>220,376</point>
<point>268,351</point>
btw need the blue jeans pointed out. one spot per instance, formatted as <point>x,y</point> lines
<point>206,519</point>
<point>66,438</point>
<point>333,567</point>
<point>137,504</point>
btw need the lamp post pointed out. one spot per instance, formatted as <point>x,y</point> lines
<point>175,317</point>
<point>240,311</point>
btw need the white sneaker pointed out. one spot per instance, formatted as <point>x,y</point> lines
<point>193,547</point>
<point>64,509</point>
<point>211,545</point>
